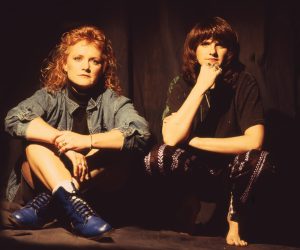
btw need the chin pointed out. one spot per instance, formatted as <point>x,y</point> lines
<point>84,85</point>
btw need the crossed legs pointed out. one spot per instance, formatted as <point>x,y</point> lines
<point>109,169</point>
<point>45,168</point>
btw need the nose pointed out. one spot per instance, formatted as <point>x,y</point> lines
<point>212,49</point>
<point>85,65</point>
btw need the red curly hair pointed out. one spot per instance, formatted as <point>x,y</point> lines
<point>53,76</point>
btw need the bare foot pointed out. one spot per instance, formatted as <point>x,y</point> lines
<point>233,237</point>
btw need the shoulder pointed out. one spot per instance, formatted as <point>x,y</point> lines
<point>178,86</point>
<point>43,94</point>
<point>247,88</point>
<point>173,83</point>
<point>50,98</point>
<point>52,94</point>
<point>177,93</point>
<point>245,78</point>
<point>246,82</point>
<point>111,97</point>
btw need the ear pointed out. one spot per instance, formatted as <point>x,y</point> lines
<point>65,68</point>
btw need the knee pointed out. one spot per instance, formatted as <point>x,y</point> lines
<point>32,149</point>
<point>156,159</point>
<point>259,158</point>
<point>38,149</point>
<point>254,160</point>
<point>163,159</point>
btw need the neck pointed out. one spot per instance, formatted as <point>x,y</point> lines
<point>82,95</point>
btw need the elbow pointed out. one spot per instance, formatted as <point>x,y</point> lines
<point>174,135</point>
<point>254,137</point>
<point>171,143</point>
<point>170,140</point>
<point>256,145</point>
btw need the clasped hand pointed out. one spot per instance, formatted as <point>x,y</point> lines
<point>207,75</point>
<point>80,166</point>
<point>68,140</point>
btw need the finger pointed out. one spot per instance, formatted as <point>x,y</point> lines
<point>80,170</point>
<point>59,135</point>
<point>217,68</point>
<point>85,174</point>
<point>75,170</point>
<point>59,139</point>
<point>57,142</point>
<point>85,169</point>
<point>63,147</point>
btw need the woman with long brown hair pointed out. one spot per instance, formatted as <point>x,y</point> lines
<point>213,122</point>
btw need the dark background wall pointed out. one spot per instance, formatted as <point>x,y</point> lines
<point>147,37</point>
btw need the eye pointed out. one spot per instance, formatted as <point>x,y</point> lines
<point>205,43</point>
<point>77,58</point>
<point>95,61</point>
<point>220,44</point>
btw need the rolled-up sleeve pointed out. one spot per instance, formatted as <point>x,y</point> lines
<point>134,127</point>
<point>19,117</point>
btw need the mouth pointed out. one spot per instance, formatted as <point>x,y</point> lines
<point>213,60</point>
<point>87,76</point>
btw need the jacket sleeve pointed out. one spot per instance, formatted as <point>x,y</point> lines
<point>134,127</point>
<point>18,118</point>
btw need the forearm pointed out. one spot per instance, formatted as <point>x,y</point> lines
<point>230,145</point>
<point>177,126</point>
<point>113,139</point>
<point>252,139</point>
<point>41,131</point>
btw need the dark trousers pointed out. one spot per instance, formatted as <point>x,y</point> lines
<point>241,172</point>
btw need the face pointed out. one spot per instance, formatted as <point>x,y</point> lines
<point>210,51</point>
<point>83,66</point>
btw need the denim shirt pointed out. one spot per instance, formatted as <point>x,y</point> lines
<point>109,111</point>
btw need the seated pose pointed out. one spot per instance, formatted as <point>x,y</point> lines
<point>77,127</point>
<point>214,118</point>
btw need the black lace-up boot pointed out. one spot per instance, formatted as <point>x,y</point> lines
<point>84,220</point>
<point>36,213</point>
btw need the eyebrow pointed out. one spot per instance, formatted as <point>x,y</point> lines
<point>95,57</point>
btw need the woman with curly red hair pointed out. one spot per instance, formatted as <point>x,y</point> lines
<point>76,127</point>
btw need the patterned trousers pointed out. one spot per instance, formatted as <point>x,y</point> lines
<point>242,172</point>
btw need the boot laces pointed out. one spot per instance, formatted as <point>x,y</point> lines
<point>40,201</point>
<point>82,208</point>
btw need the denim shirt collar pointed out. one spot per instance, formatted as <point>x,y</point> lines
<point>72,105</point>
